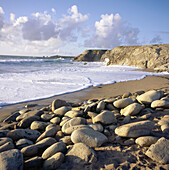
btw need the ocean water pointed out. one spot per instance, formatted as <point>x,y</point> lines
<point>29,78</point>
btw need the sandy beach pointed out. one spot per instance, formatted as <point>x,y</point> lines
<point>98,92</point>
<point>119,152</point>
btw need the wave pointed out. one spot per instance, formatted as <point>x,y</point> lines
<point>34,60</point>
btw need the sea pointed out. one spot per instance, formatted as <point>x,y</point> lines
<point>30,78</point>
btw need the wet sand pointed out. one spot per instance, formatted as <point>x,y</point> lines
<point>103,91</point>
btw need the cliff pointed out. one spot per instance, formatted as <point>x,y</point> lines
<point>90,55</point>
<point>146,56</point>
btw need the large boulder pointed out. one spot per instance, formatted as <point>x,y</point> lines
<point>136,129</point>
<point>58,103</point>
<point>105,117</point>
<point>89,137</point>
<point>132,109</point>
<point>145,141</point>
<point>61,111</point>
<point>81,153</point>
<point>12,159</point>
<point>49,132</point>
<point>122,103</point>
<point>26,122</point>
<point>33,150</point>
<point>149,97</point>
<point>159,151</point>
<point>53,149</point>
<point>54,162</point>
<point>29,114</point>
<point>24,133</point>
<point>68,126</point>
<point>160,103</point>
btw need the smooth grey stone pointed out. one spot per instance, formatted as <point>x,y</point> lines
<point>54,162</point>
<point>150,96</point>
<point>23,133</point>
<point>105,117</point>
<point>89,137</point>
<point>53,149</point>
<point>26,122</point>
<point>136,129</point>
<point>11,160</point>
<point>81,153</point>
<point>159,151</point>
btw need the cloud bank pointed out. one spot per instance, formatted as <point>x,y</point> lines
<point>112,31</point>
<point>42,34</point>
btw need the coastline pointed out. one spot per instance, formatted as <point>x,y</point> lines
<point>102,91</point>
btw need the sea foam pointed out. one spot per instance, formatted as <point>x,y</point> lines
<point>27,81</point>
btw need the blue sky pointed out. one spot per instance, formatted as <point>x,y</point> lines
<point>68,27</point>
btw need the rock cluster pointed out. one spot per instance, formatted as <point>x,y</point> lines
<point>66,135</point>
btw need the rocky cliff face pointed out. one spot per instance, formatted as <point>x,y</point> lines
<point>90,55</point>
<point>147,56</point>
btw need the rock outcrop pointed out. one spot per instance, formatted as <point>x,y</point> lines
<point>145,56</point>
<point>90,55</point>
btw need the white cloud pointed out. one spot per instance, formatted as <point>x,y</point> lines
<point>1,11</point>
<point>71,24</point>
<point>12,17</point>
<point>111,31</point>
<point>53,10</point>
<point>40,33</point>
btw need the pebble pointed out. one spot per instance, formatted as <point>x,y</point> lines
<point>55,120</point>
<point>48,133</point>
<point>159,151</point>
<point>97,127</point>
<point>160,103</point>
<point>67,140</point>
<point>61,111</point>
<point>3,133</point>
<point>136,129</point>
<point>5,140</point>
<point>122,103</point>
<point>7,146</point>
<point>24,142</point>
<point>73,113</point>
<point>53,149</point>
<point>81,153</point>
<point>105,117</point>
<point>29,114</point>
<point>100,106</point>
<point>57,104</point>
<point>33,150</point>
<point>150,96</point>
<point>47,117</point>
<point>54,162</point>
<point>89,137</point>
<point>26,122</point>
<point>146,141</point>
<point>39,125</point>
<point>132,109</point>
<point>12,159</point>
<point>24,133</point>
<point>68,126</point>
<point>12,117</point>
<point>34,163</point>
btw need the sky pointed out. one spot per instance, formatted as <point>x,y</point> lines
<point>68,27</point>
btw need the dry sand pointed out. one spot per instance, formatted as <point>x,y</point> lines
<point>104,91</point>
